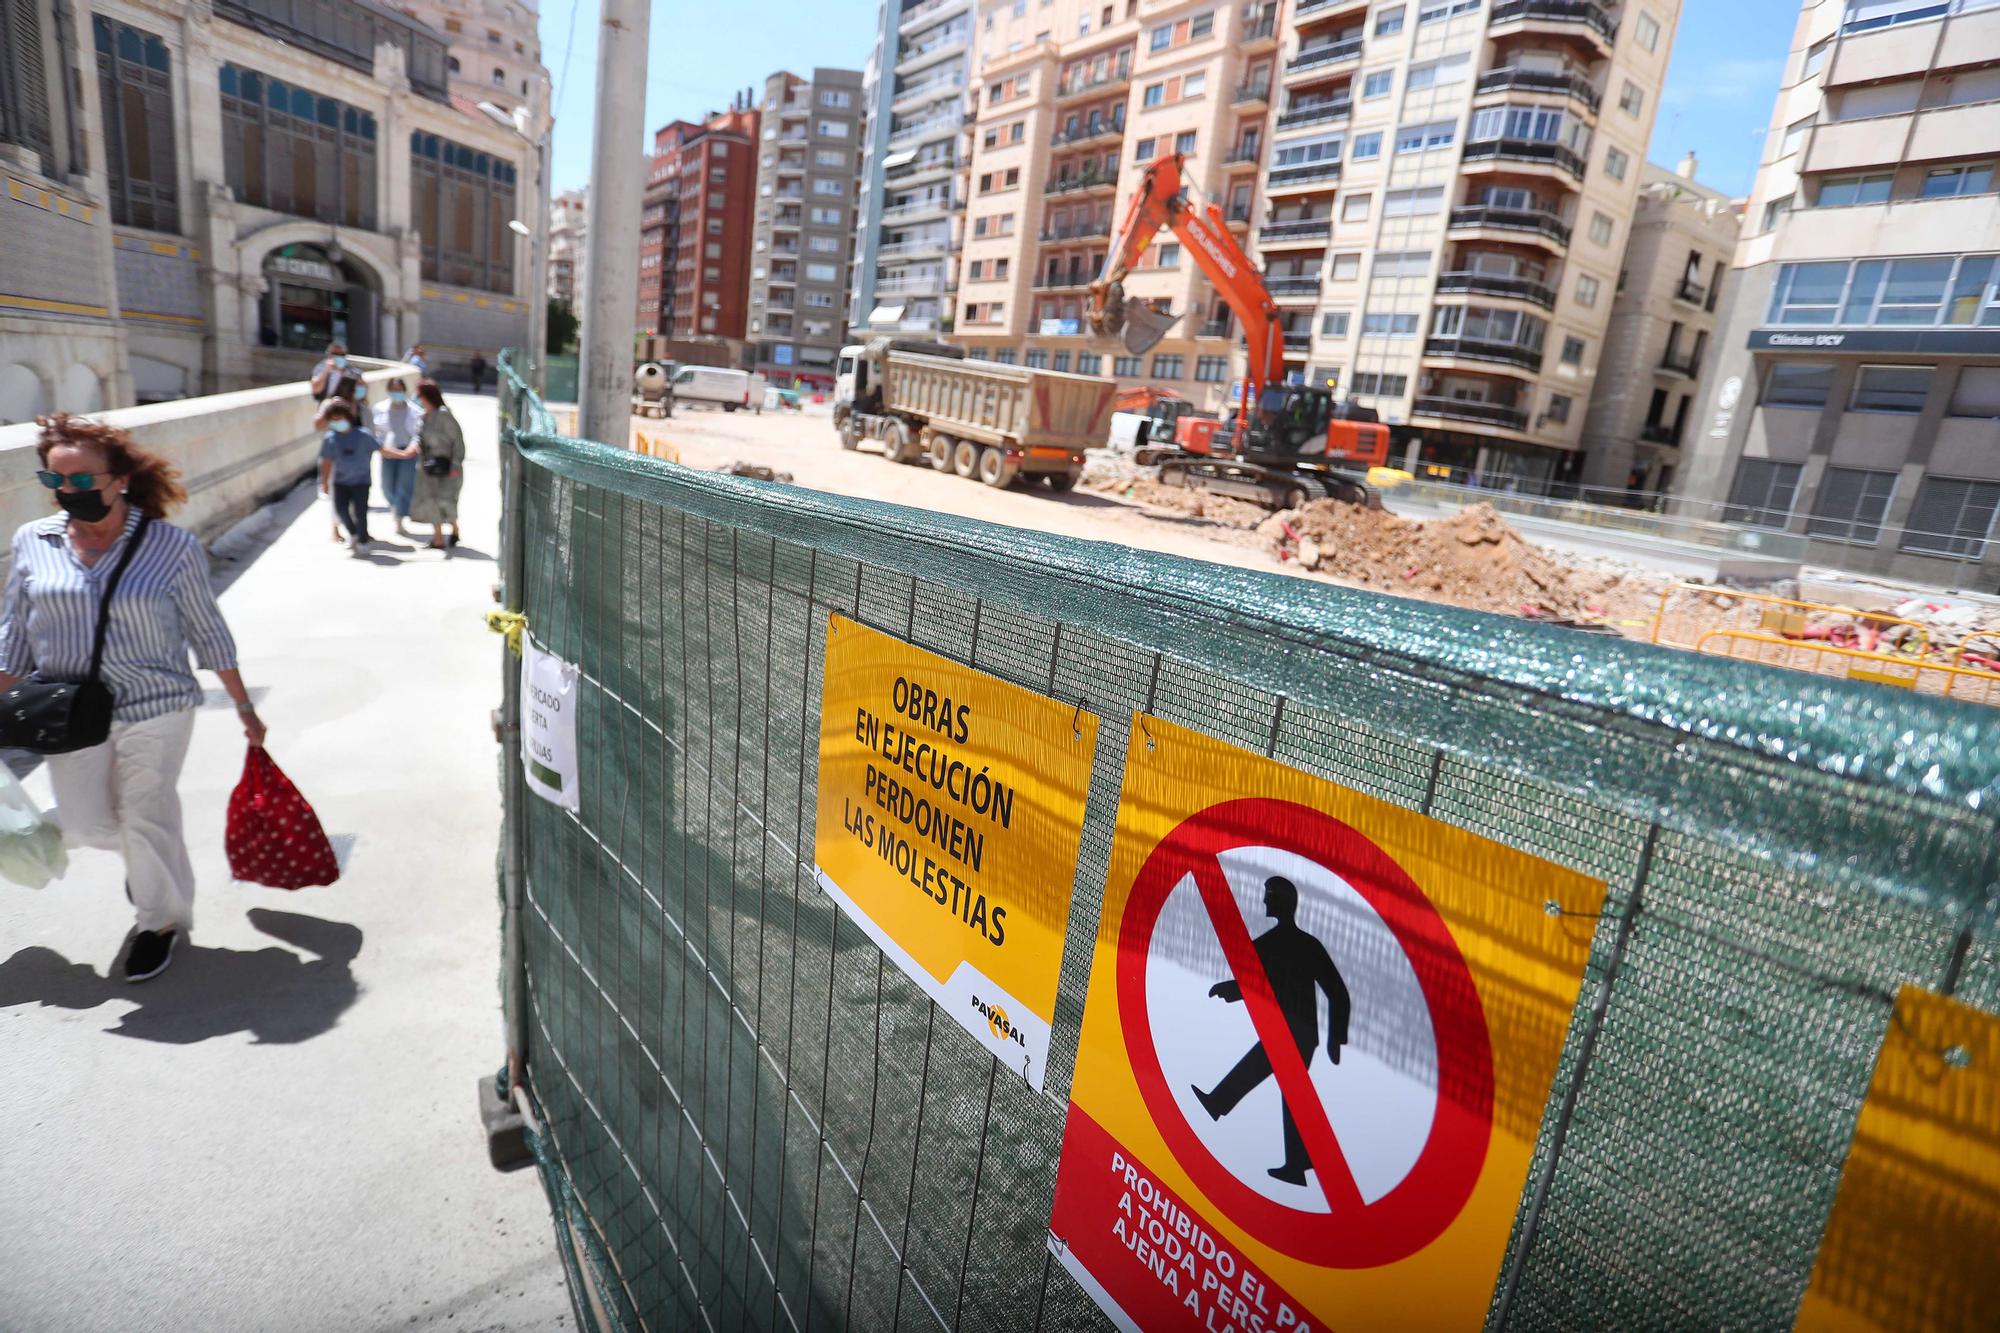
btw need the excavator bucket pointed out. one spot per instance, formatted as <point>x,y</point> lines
<point>1145,326</point>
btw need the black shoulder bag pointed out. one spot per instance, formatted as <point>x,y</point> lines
<point>57,717</point>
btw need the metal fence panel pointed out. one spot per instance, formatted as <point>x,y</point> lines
<point>750,1120</point>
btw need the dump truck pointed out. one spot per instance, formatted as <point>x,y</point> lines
<point>928,403</point>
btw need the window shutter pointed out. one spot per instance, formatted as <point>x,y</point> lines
<point>24,82</point>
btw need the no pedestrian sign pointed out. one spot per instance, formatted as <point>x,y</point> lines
<point>1316,1049</point>
<point>950,811</point>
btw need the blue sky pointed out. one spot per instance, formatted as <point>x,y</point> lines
<point>1727,57</point>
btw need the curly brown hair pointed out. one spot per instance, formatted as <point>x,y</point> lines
<point>153,485</point>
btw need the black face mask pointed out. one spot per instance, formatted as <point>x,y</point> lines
<point>88,506</point>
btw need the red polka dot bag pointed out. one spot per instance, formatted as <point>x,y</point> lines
<point>273,836</point>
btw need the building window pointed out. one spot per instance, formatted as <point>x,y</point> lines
<point>835,97</point>
<point>1389,20</point>
<point>1381,386</point>
<point>1377,83</point>
<point>829,157</point>
<point>1572,351</point>
<point>292,151</point>
<point>1127,367</point>
<point>1646,31</point>
<point>1036,360</point>
<point>1211,369</point>
<point>1850,504</point>
<point>1202,26</point>
<point>832,129</point>
<point>1631,99</point>
<point>1798,384</point>
<point>1893,389</point>
<point>1942,182</point>
<point>1600,229</point>
<point>1413,203</point>
<point>1816,57</point>
<point>825,245</point>
<point>1559,405</point>
<point>1004,356</point>
<point>136,91</point>
<point>1423,138</point>
<point>824,217</point>
<point>1586,290</point>
<point>1167,255</point>
<point>1616,164</point>
<point>1774,210</point>
<point>1155,94</point>
<point>1354,208</point>
<point>1160,38</point>
<point>1763,493</point>
<point>1367,146</point>
<point>1952,518</point>
<point>1143,150</point>
<point>1977,393</point>
<point>1089,363</point>
<point>1168,365</point>
<point>1843,191</point>
<point>1396,324</point>
<point>1436,73</point>
<point>1346,267</point>
<point>824,186</point>
<point>1333,324</point>
<point>1193,85</point>
<point>713,250</point>
<point>1061,361</point>
<point>1795,134</point>
<point>1184,143</point>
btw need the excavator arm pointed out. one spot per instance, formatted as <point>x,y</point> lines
<point>1162,202</point>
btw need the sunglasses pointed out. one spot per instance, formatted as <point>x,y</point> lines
<point>83,481</point>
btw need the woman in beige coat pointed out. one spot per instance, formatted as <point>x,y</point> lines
<point>440,469</point>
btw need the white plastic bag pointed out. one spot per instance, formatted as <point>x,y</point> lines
<point>31,848</point>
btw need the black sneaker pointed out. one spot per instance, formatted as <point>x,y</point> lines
<point>150,953</point>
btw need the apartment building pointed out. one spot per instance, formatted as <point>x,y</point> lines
<point>493,53</point>
<point>1663,319</point>
<point>1450,186</point>
<point>196,198</point>
<point>1857,396</point>
<point>919,94</point>
<point>1077,100</point>
<point>694,225</point>
<point>804,232</point>
<point>569,224</point>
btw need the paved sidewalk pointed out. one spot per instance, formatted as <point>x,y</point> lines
<point>281,1132</point>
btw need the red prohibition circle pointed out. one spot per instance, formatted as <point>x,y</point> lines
<point>1426,1201</point>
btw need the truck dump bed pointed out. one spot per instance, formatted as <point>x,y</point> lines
<point>995,404</point>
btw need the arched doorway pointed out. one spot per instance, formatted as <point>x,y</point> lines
<point>315,295</point>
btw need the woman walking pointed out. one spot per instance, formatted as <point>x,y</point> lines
<point>121,795</point>
<point>440,473</point>
<point>396,425</point>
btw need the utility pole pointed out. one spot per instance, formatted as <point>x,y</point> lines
<point>611,247</point>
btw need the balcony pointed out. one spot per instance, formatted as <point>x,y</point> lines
<point>1117,77</point>
<point>1535,152</point>
<point>1568,17</point>
<point>1477,349</point>
<point>903,251</point>
<point>1252,94</point>
<point>1303,231</point>
<point>928,90</point>
<point>1655,432</point>
<point>1312,173</point>
<point>791,166</point>
<point>917,173</point>
<point>1073,280</point>
<point>917,57</point>
<point>1676,362</point>
<point>1292,288</point>
<point>923,131</point>
<point>1323,55</point>
<point>787,222</point>
<point>1083,182</point>
<point>1316,9</point>
<point>1494,284</point>
<point>920,284</point>
<point>1509,79</point>
<point>1322,112</point>
<point>916,210</point>
<point>1110,127</point>
<point>1244,153</point>
<point>1258,32</point>
<point>1480,217</point>
<point>915,16</point>
<point>1214,328</point>
<point>1459,409</point>
<point>1693,293</point>
<point>1076,231</point>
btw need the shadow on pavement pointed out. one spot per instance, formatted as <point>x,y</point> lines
<point>272,994</point>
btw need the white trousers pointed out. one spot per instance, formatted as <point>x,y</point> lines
<point>122,796</point>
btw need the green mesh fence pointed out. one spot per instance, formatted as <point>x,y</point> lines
<point>753,1122</point>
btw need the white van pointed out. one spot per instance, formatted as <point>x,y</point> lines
<point>727,389</point>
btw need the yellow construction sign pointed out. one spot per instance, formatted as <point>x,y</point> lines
<point>949,816</point>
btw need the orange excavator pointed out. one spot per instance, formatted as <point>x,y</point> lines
<point>1282,444</point>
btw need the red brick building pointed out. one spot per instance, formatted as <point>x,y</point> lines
<point>696,223</point>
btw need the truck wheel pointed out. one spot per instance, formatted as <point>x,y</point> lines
<point>965,456</point>
<point>850,434</point>
<point>896,442</point>
<point>1061,481</point>
<point>995,469</point>
<point>729,407</point>
<point>940,455</point>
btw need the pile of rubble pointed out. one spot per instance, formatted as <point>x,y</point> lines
<point>1116,474</point>
<point>1473,559</point>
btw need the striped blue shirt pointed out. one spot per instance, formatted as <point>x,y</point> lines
<point>164,607</point>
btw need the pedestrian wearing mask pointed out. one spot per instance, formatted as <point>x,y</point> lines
<point>419,358</point>
<point>441,469</point>
<point>333,372</point>
<point>111,547</point>
<point>397,423</point>
<point>346,464</point>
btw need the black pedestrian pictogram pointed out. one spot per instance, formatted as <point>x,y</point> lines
<point>1298,968</point>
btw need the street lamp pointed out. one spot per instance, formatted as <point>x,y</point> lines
<point>538,301</point>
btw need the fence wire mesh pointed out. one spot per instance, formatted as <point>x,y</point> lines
<point>751,1121</point>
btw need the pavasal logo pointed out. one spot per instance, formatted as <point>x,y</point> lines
<point>998,1023</point>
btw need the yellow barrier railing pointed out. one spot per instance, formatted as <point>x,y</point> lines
<point>1825,659</point>
<point>1683,626</point>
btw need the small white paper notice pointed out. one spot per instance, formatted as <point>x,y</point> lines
<point>548,726</point>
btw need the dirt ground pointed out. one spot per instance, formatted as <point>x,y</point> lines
<point>1474,559</point>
